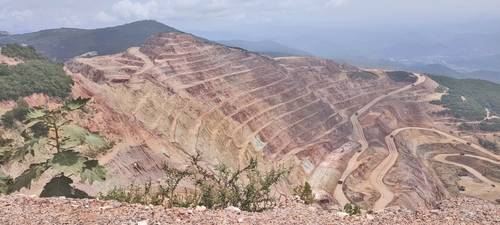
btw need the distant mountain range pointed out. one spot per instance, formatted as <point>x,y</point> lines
<point>429,68</point>
<point>65,43</point>
<point>270,48</point>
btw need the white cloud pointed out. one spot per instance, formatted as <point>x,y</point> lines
<point>130,9</point>
<point>105,17</point>
<point>337,3</point>
<point>18,15</point>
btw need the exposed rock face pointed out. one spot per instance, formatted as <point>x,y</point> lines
<point>178,94</point>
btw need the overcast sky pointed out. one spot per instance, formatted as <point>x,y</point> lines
<point>234,15</point>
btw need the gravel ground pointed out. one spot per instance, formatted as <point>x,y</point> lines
<point>29,210</point>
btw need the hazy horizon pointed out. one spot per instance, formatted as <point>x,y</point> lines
<point>459,34</point>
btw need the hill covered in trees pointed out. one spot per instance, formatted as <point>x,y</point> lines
<point>35,75</point>
<point>469,98</point>
<point>65,43</point>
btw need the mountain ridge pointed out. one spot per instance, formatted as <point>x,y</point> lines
<point>62,44</point>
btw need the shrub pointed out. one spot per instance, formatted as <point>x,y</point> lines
<point>352,209</point>
<point>305,193</point>
<point>135,195</point>
<point>248,188</point>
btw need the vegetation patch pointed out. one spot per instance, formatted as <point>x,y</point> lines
<point>469,98</point>
<point>488,144</point>
<point>305,193</point>
<point>17,114</point>
<point>352,209</point>
<point>249,188</point>
<point>362,75</point>
<point>4,70</point>
<point>35,75</point>
<point>490,125</point>
<point>21,52</point>
<point>402,76</point>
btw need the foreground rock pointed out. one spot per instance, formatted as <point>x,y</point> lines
<point>26,210</point>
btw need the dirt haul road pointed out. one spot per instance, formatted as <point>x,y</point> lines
<point>358,133</point>
<point>378,174</point>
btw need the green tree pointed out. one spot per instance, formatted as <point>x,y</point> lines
<point>352,209</point>
<point>305,193</point>
<point>61,142</point>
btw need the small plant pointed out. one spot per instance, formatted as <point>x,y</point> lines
<point>352,209</point>
<point>305,193</point>
<point>135,195</point>
<point>48,132</point>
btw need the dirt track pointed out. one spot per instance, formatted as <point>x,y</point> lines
<point>378,174</point>
<point>358,133</point>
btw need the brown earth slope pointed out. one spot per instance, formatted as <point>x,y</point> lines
<point>178,94</point>
<point>354,136</point>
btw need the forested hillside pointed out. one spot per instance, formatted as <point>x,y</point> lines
<point>35,75</point>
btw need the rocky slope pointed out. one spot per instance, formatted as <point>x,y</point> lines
<point>355,136</point>
<point>65,211</point>
<point>178,94</point>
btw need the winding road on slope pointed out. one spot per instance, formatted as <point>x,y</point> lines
<point>378,174</point>
<point>442,158</point>
<point>358,133</point>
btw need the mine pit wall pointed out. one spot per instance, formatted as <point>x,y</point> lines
<point>229,104</point>
<point>411,180</point>
<point>406,110</point>
<point>488,169</point>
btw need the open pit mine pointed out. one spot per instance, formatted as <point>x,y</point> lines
<point>355,135</point>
